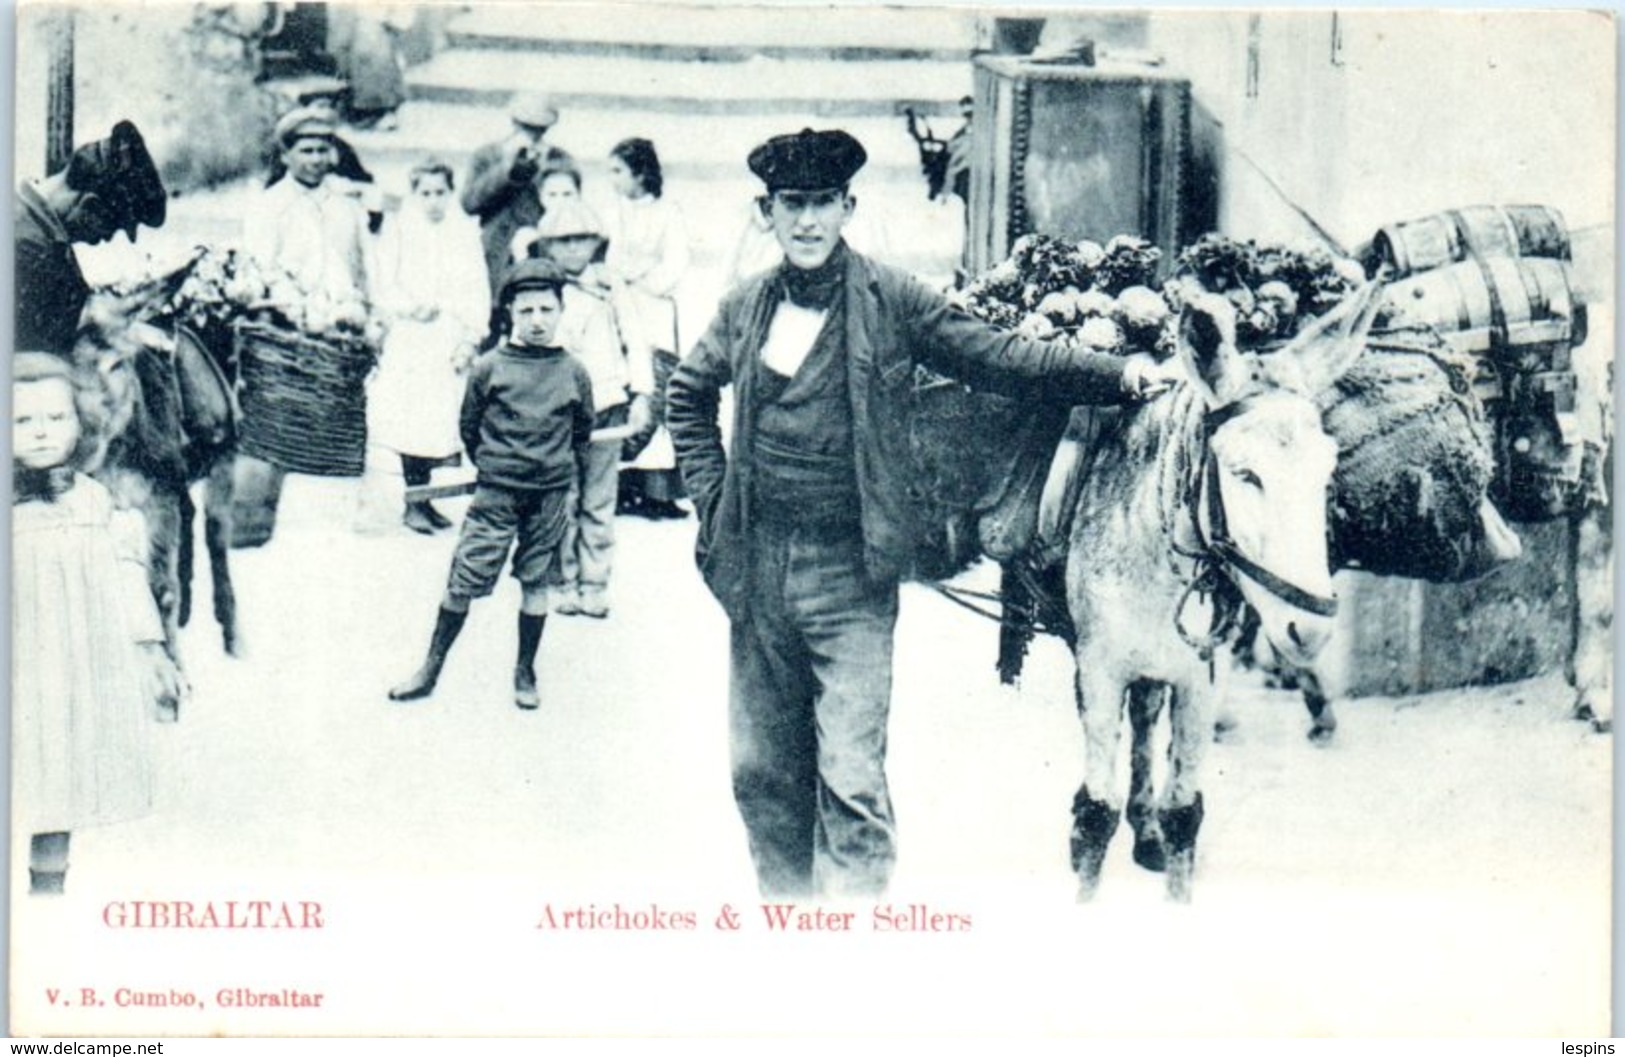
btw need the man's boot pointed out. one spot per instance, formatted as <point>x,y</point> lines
<point>524,672</point>
<point>421,684</point>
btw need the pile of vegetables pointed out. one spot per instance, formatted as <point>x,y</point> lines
<point>217,288</point>
<point>1109,299</point>
<point>1415,457</point>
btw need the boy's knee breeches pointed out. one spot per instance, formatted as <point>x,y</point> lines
<point>529,522</point>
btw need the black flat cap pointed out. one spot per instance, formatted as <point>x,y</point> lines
<point>531,274</point>
<point>808,160</point>
<point>120,170</point>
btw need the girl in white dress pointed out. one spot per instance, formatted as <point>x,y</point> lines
<point>648,258</point>
<point>432,288</point>
<point>90,671</point>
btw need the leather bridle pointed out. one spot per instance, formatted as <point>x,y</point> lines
<point>1220,560</point>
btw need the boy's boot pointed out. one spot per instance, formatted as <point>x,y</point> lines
<point>594,602</point>
<point>524,672</point>
<point>421,684</point>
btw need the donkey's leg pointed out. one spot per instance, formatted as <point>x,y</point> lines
<point>184,558</point>
<point>1591,658</point>
<point>1145,701</point>
<point>163,516</point>
<point>218,491</point>
<point>1095,809</point>
<point>1322,718</point>
<point>1190,718</point>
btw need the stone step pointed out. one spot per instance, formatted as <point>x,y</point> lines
<point>691,147</point>
<point>756,86</point>
<point>718,34</point>
<point>715,216</point>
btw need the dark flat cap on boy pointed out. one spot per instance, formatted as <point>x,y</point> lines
<point>808,160</point>
<point>120,170</point>
<point>533,274</point>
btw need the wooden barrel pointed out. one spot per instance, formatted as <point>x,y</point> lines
<point>1457,234</point>
<point>304,401</point>
<point>1489,304</point>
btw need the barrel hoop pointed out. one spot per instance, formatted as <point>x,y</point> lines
<point>1464,311</point>
<point>1498,315</point>
<point>1535,293</point>
<point>1460,244</point>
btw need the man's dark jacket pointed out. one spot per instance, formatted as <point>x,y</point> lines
<point>502,203</point>
<point>892,322</point>
<point>51,290</point>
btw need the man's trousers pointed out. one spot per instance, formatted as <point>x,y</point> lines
<point>809,698</point>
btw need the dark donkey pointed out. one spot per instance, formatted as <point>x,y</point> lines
<point>172,422</point>
<point>1405,501</point>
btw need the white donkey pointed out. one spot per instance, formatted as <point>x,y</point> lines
<point>1211,494</point>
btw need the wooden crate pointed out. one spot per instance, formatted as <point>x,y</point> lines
<point>1080,152</point>
<point>1407,636</point>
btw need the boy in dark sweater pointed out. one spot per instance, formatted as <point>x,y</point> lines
<point>527,422</point>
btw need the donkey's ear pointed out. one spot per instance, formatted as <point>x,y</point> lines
<point>1207,347</point>
<point>1329,346</point>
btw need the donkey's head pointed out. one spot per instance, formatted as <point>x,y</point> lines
<point>1262,505</point>
<point>112,335</point>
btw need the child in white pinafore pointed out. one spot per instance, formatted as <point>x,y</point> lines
<point>90,666</point>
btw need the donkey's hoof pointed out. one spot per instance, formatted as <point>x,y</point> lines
<point>1181,871</point>
<point>1602,721</point>
<point>1149,851</point>
<point>1322,735</point>
<point>1087,889</point>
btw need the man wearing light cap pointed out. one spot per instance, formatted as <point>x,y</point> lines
<point>304,223</point>
<point>109,186</point>
<point>503,179</point>
<point>806,526</point>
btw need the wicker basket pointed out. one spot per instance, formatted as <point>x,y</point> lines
<point>304,400</point>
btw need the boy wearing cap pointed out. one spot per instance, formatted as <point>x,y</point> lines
<point>805,520</point>
<point>109,186</point>
<point>304,223</point>
<point>526,422</point>
<point>504,177</point>
<point>570,235</point>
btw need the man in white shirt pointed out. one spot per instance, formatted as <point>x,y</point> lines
<point>308,223</point>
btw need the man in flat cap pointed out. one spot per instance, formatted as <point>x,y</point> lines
<point>805,522</point>
<point>504,179</point>
<point>307,223</point>
<point>109,186</point>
